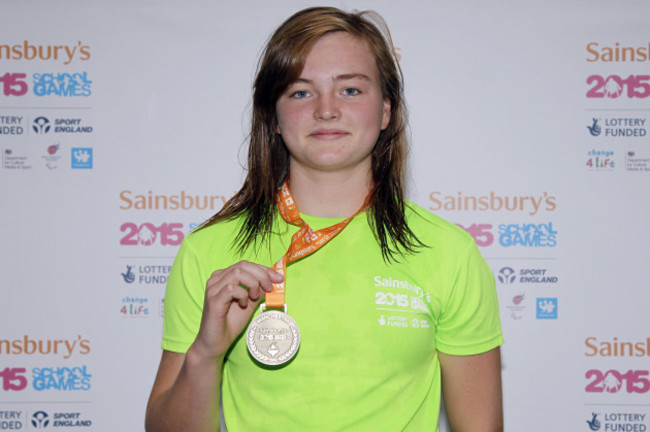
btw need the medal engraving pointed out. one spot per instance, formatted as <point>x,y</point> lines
<point>273,338</point>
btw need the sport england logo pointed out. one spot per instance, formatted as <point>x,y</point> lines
<point>40,419</point>
<point>41,125</point>
<point>547,308</point>
<point>82,158</point>
<point>507,275</point>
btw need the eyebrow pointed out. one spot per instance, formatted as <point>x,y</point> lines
<point>342,77</point>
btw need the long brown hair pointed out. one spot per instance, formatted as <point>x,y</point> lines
<point>268,157</point>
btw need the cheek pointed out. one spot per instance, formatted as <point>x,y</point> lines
<point>287,119</point>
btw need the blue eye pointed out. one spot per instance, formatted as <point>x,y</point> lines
<point>351,91</point>
<point>300,94</point>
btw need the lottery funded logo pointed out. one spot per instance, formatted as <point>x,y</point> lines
<point>614,420</point>
<point>146,274</point>
<point>12,125</point>
<point>12,419</point>
<point>618,127</point>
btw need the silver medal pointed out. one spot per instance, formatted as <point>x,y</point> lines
<point>273,337</point>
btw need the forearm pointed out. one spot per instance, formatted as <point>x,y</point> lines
<point>192,402</point>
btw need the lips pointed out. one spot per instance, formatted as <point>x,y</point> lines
<point>328,134</point>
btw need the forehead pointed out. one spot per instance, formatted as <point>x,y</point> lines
<point>340,53</point>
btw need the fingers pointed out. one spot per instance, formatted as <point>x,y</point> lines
<point>230,299</point>
<point>244,280</point>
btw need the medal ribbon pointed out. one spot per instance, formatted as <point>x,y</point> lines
<point>303,242</point>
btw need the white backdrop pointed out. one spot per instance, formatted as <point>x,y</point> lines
<point>122,127</point>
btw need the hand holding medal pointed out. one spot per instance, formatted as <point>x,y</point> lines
<point>273,337</point>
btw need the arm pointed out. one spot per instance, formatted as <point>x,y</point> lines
<point>471,388</point>
<point>186,391</point>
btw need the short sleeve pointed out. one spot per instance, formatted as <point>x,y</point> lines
<point>469,321</point>
<point>184,298</point>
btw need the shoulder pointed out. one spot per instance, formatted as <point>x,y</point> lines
<point>205,236</point>
<point>433,230</point>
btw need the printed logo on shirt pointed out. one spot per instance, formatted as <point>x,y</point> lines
<point>397,300</point>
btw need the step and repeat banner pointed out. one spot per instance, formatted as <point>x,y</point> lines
<point>123,127</point>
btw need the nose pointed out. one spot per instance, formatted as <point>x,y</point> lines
<point>327,108</point>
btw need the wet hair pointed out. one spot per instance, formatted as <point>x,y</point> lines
<point>268,158</point>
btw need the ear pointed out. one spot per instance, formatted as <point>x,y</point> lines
<point>385,116</point>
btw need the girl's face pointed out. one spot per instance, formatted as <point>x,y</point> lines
<point>331,116</point>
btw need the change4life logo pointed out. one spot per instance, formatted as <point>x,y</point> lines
<point>134,307</point>
<point>600,160</point>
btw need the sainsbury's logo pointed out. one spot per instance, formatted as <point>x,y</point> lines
<point>27,50</point>
<point>530,204</point>
<point>28,346</point>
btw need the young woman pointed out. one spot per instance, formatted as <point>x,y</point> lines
<point>371,305</point>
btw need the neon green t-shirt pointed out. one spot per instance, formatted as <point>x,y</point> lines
<point>370,331</point>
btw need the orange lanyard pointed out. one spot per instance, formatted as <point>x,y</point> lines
<point>303,243</point>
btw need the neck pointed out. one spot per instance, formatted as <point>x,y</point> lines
<point>329,194</point>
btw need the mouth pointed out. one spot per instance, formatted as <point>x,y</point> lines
<point>328,134</point>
